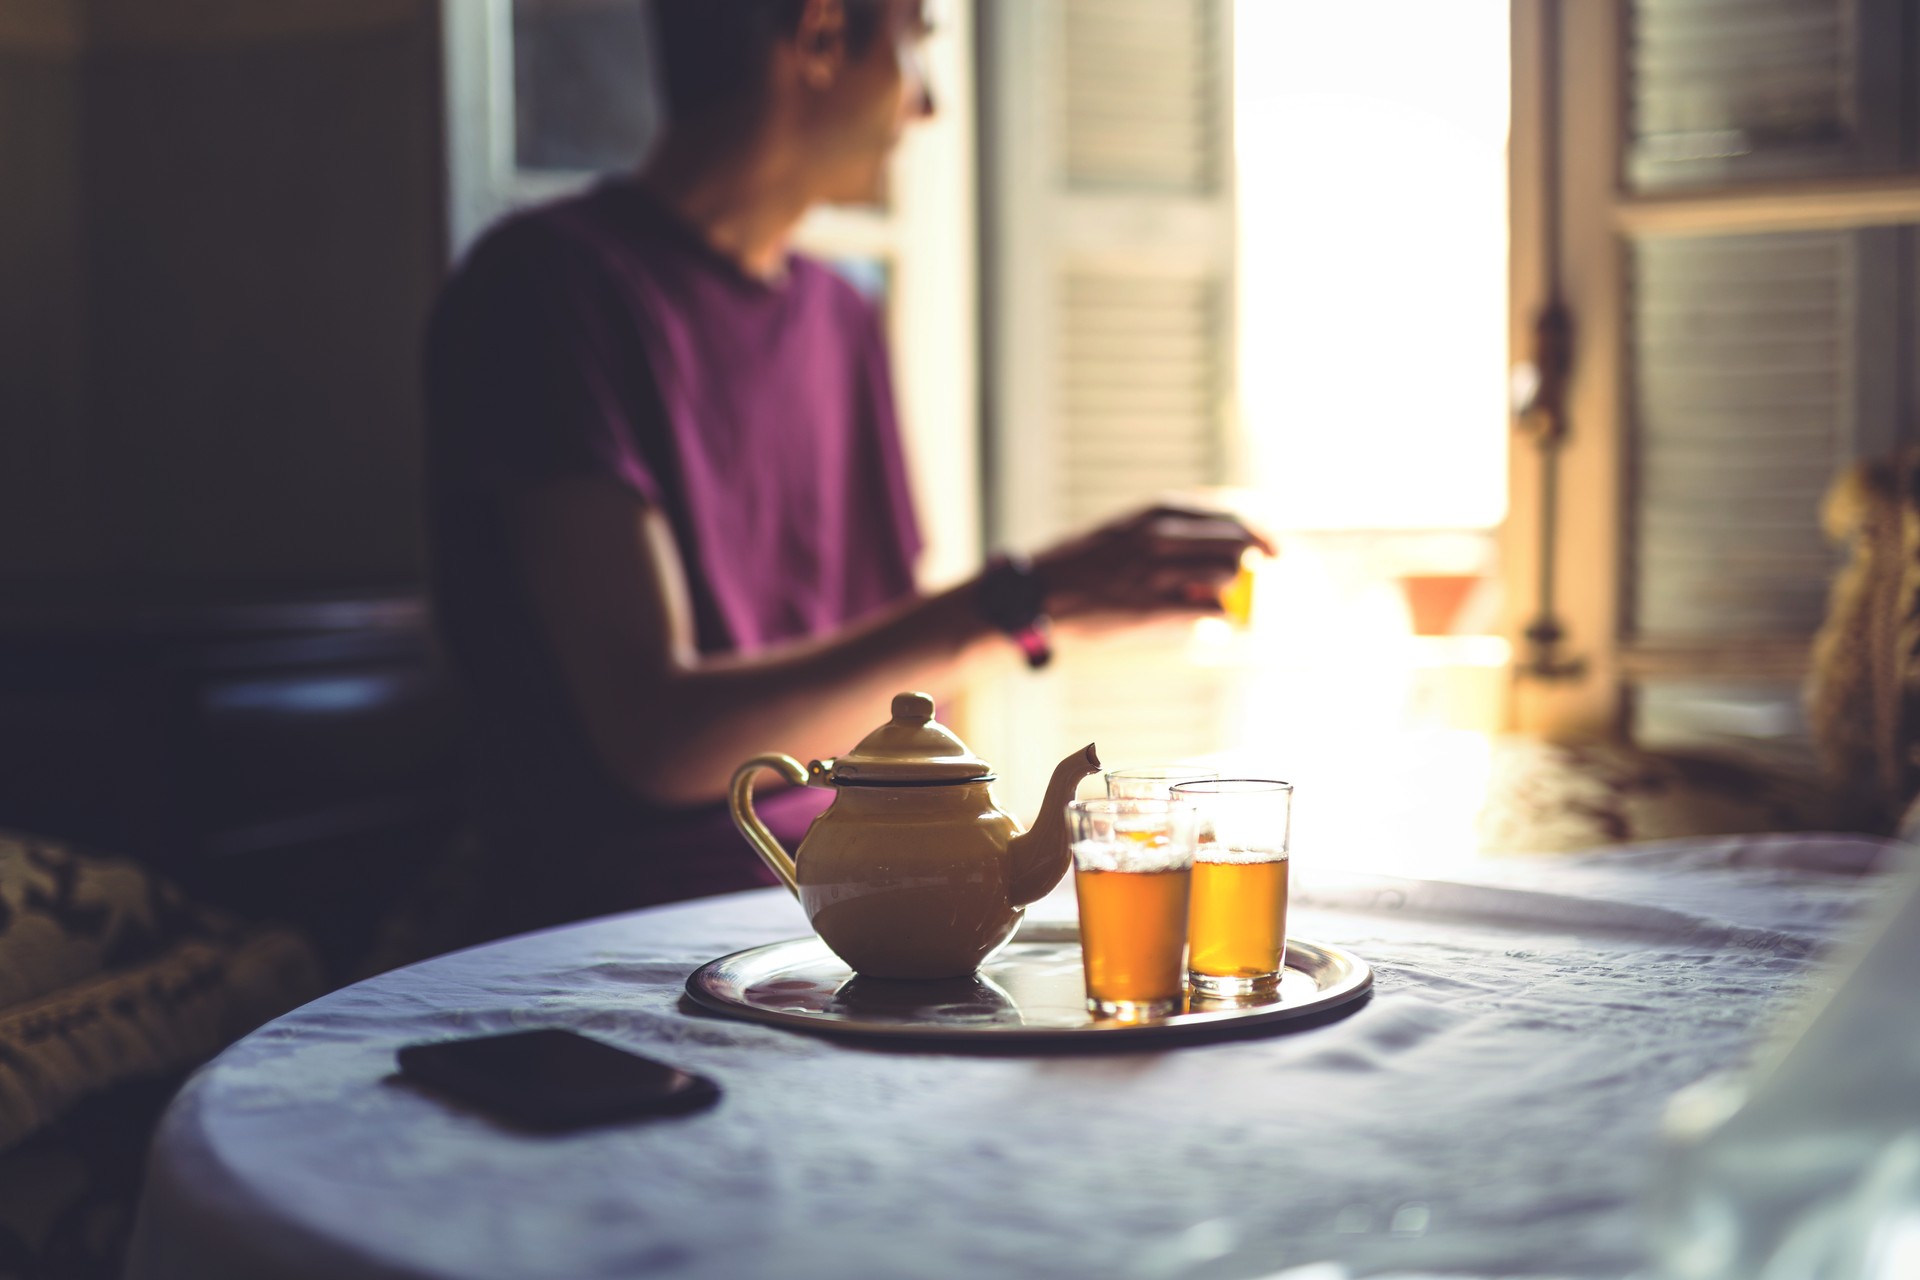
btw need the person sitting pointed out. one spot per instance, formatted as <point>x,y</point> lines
<point>669,517</point>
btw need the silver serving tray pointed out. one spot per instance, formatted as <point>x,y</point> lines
<point>1032,991</point>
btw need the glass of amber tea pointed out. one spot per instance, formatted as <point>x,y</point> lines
<point>1132,861</point>
<point>1237,935</point>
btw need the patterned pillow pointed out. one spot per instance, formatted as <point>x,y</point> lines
<point>66,916</point>
<point>108,974</point>
<point>67,1194</point>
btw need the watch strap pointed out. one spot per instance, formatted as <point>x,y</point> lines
<point>1013,599</point>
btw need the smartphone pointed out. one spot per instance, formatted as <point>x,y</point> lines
<point>554,1079</point>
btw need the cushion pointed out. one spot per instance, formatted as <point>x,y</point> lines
<point>67,1194</point>
<point>66,916</point>
<point>109,974</point>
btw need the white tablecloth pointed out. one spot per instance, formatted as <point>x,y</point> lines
<point>1492,1110</point>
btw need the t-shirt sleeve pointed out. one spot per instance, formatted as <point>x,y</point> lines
<point>527,380</point>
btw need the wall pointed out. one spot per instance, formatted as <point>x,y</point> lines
<point>222,226</point>
<point>46,516</point>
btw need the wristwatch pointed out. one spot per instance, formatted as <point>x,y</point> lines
<point>1013,599</point>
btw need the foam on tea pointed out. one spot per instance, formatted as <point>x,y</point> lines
<point>1135,851</point>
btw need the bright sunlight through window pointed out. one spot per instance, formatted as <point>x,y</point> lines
<point>1371,139</point>
<point>1372,142</point>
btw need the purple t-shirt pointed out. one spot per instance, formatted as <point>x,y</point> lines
<point>600,336</point>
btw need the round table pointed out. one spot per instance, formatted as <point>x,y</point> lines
<point>1493,1108</point>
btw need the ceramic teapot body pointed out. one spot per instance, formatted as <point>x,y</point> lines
<point>913,871</point>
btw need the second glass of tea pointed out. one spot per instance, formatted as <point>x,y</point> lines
<point>1238,935</point>
<point>1154,781</point>
<point>1132,864</point>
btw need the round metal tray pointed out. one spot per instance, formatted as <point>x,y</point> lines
<point>1033,990</point>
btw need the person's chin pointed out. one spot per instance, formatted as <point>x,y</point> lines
<point>866,186</point>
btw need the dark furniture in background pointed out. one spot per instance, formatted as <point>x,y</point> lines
<point>295,758</point>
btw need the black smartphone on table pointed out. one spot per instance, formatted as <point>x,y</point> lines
<point>554,1078</point>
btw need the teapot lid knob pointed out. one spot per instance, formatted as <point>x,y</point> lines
<point>911,748</point>
<point>913,708</point>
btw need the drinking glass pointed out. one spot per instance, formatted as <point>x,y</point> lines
<point>1132,862</point>
<point>1207,521</point>
<point>1238,930</point>
<point>1154,781</point>
<point>1236,598</point>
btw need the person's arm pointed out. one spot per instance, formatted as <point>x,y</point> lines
<point>605,576</point>
<point>606,580</point>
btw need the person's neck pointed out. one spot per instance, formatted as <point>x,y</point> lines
<point>744,200</point>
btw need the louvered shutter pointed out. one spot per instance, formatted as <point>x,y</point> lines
<point>1724,241</point>
<point>1140,392</point>
<point>1110,305</point>
<point>1141,80</point>
<point>1736,89</point>
<point>1761,365</point>
<point>1743,359</point>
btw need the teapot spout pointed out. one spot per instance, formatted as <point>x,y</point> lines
<point>1038,858</point>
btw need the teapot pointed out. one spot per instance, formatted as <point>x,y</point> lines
<point>913,871</point>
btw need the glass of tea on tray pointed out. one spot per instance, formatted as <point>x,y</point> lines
<point>1237,936</point>
<point>1132,863</point>
<point>1154,781</point>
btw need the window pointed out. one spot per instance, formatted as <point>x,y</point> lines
<point>1372,174</point>
<point>1255,252</point>
<point>1739,201</point>
<point>1373,210</point>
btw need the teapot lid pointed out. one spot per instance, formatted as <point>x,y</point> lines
<point>911,749</point>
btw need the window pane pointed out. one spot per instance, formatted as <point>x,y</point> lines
<point>869,275</point>
<point>582,102</point>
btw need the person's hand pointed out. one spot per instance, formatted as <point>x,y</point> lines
<point>1159,561</point>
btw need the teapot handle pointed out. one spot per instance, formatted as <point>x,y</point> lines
<point>740,801</point>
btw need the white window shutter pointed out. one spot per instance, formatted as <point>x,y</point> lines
<point>1109,239</point>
